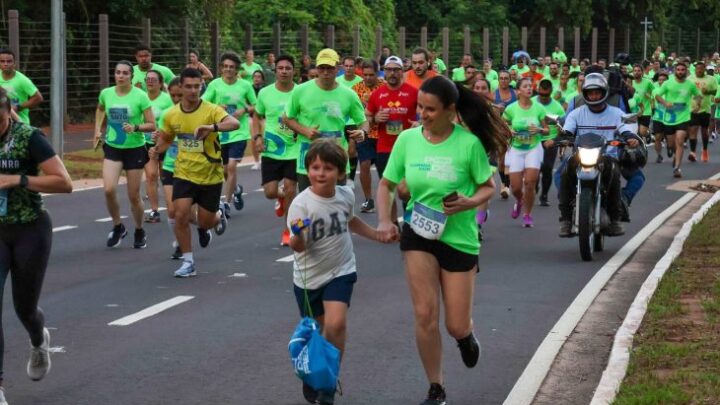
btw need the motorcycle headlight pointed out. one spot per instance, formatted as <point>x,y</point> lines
<point>588,156</point>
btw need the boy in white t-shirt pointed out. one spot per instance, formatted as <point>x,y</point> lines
<point>325,262</point>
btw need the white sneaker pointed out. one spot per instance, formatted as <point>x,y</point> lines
<point>2,397</point>
<point>39,363</point>
<point>255,166</point>
<point>187,269</point>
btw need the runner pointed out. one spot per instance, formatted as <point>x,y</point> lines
<point>550,151</point>
<point>458,74</point>
<point>676,95</point>
<point>319,109</point>
<point>367,149</point>
<point>658,128</point>
<point>349,78</point>
<point>533,74</point>
<point>159,101</point>
<point>420,68</point>
<point>269,68</point>
<point>237,97</point>
<point>520,67</point>
<point>643,93</point>
<point>128,113</point>
<point>448,173</point>
<point>21,90</point>
<point>504,96</point>
<point>524,158</point>
<point>700,114</point>
<point>29,166</point>
<point>276,142</point>
<point>258,81</point>
<point>247,68</point>
<point>198,176</point>
<point>195,63</point>
<point>558,56</point>
<point>324,270</point>
<point>490,74</point>
<point>482,88</point>
<point>143,57</point>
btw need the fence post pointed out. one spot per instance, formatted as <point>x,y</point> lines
<point>627,40</point>
<point>248,36</point>
<point>446,47</point>
<point>186,37</point>
<point>543,48</point>
<point>466,39</point>
<point>486,43</point>
<point>523,38</point>
<point>423,37</point>
<point>64,75</point>
<point>401,44</point>
<point>104,41</point>
<point>561,39</point>
<point>330,36</point>
<point>276,38</point>
<point>146,32</point>
<point>593,45</point>
<point>304,40</point>
<point>697,45</point>
<point>215,45</point>
<point>577,43</point>
<point>611,46</point>
<point>378,40</point>
<point>14,34</point>
<point>356,41</point>
<point>505,44</point>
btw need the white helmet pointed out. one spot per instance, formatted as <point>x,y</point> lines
<point>595,81</point>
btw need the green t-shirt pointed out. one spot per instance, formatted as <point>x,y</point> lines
<point>19,89</point>
<point>348,83</point>
<point>129,108</point>
<point>139,75</point>
<point>659,110</point>
<point>432,171</point>
<point>555,81</point>
<point>520,120</point>
<point>441,65</point>
<point>161,103</point>
<point>172,151</point>
<point>232,96</point>
<point>248,70</point>
<point>559,57</point>
<point>458,74</point>
<point>280,143</point>
<point>555,108</point>
<point>575,68</point>
<point>492,75</point>
<point>564,95</point>
<point>680,95</point>
<point>707,87</point>
<point>326,110</point>
<point>545,71</point>
<point>519,71</point>
<point>643,93</point>
<point>717,110</point>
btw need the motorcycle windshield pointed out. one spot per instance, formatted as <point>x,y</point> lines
<point>590,140</point>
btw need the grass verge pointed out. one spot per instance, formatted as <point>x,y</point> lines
<point>84,164</point>
<point>676,352</point>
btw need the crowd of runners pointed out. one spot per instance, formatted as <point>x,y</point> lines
<point>312,127</point>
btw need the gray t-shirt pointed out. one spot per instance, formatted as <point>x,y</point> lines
<point>329,249</point>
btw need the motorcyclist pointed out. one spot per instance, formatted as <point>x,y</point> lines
<point>595,116</point>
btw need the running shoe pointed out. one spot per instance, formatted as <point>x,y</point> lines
<point>279,207</point>
<point>2,397</point>
<point>39,363</point>
<point>153,217</point>
<point>255,166</point>
<point>177,254</point>
<point>469,350</point>
<point>285,238</point>
<point>515,212</point>
<point>565,228</point>
<point>436,395</point>
<point>222,225</point>
<point>670,153</point>
<point>227,209</point>
<point>205,237</point>
<point>677,173</point>
<point>368,206</point>
<point>326,397</point>
<point>505,192</point>
<point>116,235</point>
<point>140,239</point>
<point>659,159</point>
<point>705,155</point>
<point>692,157</point>
<point>544,201</point>
<point>528,221</point>
<point>713,136</point>
<point>237,198</point>
<point>187,269</point>
<point>615,228</point>
<point>309,393</point>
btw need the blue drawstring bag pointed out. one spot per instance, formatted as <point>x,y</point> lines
<point>315,360</point>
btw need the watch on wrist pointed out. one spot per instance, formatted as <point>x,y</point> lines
<point>136,128</point>
<point>23,181</point>
<point>215,127</point>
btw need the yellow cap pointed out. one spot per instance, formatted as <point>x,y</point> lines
<point>327,57</point>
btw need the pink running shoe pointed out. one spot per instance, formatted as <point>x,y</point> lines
<point>527,221</point>
<point>516,209</point>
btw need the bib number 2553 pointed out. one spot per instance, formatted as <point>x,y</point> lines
<point>427,222</point>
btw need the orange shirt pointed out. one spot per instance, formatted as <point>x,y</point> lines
<point>412,79</point>
<point>534,78</point>
<point>364,92</point>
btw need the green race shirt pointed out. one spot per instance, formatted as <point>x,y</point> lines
<point>348,83</point>
<point>432,171</point>
<point>555,108</point>
<point>458,74</point>
<point>707,87</point>
<point>326,110</point>
<point>161,103</point>
<point>248,70</point>
<point>680,95</point>
<point>492,75</point>
<point>520,120</point>
<point>441,65</point>
<point>519,71</point>
<point>232,96</point>
<point>559,57</point>
<point>643,93</point>
<point>139,75</point>
<point>172,151</point>
<point>118,109</point>
<point>280,143</point>
<point>19,89</point>
<point>717,110</point>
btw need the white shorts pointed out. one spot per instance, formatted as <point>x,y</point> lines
<point>518,159</point>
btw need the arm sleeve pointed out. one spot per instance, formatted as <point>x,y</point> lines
<point>144,101</point>
<point>29,87</point>
<point>40,149</point>
<point>250,95</point>
<point>291,109</point>
<point>570,123</point>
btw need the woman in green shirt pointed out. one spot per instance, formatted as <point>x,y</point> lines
<point>448,175</point>
<point>159,102</point>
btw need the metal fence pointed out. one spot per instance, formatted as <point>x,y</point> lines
<point>93,48</point>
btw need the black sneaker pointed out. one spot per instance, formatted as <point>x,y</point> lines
<point>227,209</point>
<point>237,198</point>
<point>140,239</point>
<point>544,201</point>
<point>116,235</point>
<point>659,159</point>
<point>177,254</point>
<point>326,397</point>
<point>309,394</point>
<point>565,228</point>
<point>205,236</point>
<point>222,225</point>
<point>436,395</point>
<point>615,228</point>
<point>153,217</point>
<point>469,350</point>
<point>368,206</point>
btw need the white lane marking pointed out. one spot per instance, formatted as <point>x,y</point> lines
<point>614,374</point>
<point>108,219</point>
<point>150,311</point>
<point>238,275</point>
<point>258,190</point>
<point>534,374</point>
<point>57,349</point>
<point>286,259</point>
<point>64,228</point>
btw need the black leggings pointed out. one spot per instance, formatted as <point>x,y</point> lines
<point>24,253</point>
<point>546,170</point>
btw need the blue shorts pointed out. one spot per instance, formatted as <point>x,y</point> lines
<point>233,150</point>
<point>366,150</point>
<point>338,289</point>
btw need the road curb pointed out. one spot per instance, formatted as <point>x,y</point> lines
<point>616,369</point>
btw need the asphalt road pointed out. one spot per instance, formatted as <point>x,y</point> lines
<point>228,344</point>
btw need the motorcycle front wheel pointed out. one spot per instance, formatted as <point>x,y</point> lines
<point>586,235</point>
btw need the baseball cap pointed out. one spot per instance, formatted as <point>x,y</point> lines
<point>327,57</point>
<point>393,60</point>
<point>534,62</point>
